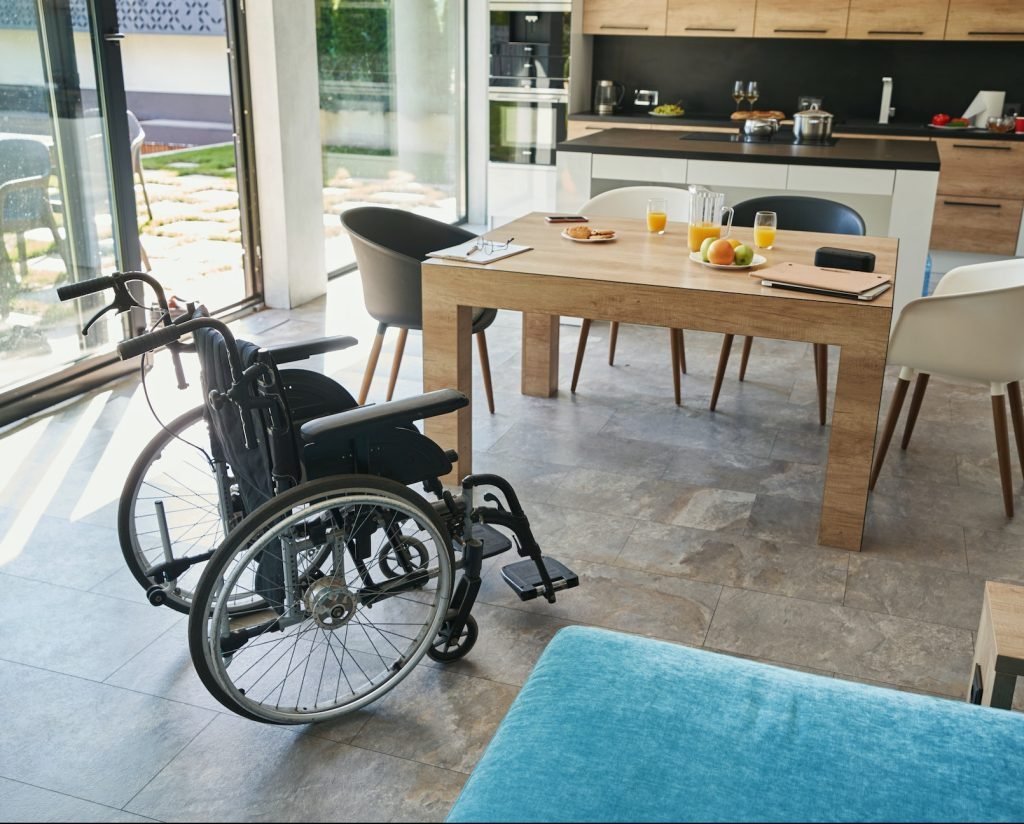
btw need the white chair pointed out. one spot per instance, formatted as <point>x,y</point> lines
<point>972,327</point>
<point>631,201</point>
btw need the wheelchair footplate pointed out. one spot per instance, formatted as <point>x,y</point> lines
<point>525,578</point>
<point>494,542</point>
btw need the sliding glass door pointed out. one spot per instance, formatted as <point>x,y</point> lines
<point>57,215</point>
<point>392,99</point>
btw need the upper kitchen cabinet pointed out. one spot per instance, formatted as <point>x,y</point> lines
<point>801,18</point>
<point>985,20</point>
<point>638,17</point>
<point>904,20</point>
<point>699,18</point>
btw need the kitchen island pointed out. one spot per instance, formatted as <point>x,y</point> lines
<point>891,183</point>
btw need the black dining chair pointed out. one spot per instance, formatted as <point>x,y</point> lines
<point>801,214</point>
<point>390,245</point>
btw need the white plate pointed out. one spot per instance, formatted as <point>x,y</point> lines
<point>757,261</point>
<point>666,114</point>
<point>586,240</point>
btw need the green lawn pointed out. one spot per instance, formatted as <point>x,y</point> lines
<point>210,160</point>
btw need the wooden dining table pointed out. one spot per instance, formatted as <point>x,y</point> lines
<point>647,278</point>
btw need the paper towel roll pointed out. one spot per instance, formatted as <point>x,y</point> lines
<point>986,104</point>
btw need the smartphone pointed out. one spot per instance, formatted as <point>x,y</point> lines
<point>565,219</point>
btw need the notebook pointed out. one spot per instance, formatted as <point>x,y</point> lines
<point>824,280</point>
<point>472,252</point>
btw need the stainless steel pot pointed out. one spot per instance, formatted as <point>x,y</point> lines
<point>812,125</point>
<point>760,126</point>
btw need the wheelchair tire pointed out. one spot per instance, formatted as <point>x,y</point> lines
<point>342,633</point>
<point>172,471</point>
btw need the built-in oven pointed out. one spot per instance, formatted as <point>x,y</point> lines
<point>526,125</point>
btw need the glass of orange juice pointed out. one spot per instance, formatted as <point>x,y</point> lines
<point>657,215</point>
<point>765,224</point>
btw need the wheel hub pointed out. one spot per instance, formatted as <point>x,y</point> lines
<point>330,603</point>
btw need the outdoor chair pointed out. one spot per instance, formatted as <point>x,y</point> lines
<point>390,245</point>
<point>24,203</point>
<point>970,328</point>
<point>801,214</point>
<point>631,201</point>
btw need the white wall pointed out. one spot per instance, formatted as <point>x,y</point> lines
<point>152,62</point>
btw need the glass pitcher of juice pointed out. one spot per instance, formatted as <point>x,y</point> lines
<point>709,217</point>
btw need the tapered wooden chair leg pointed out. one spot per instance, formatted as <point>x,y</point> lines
<point>821,374</point>
<point>613,339</point>
<point>895,407</point>
<point>581,347</point>
<point>682,352</point>
<point>371,363</point>
<point>920,385</point>
<point>396,362</point>
<point>745,355</point>
<point>1003,451</point>
<point>1017,415</point>
<point>485,368</point>
<point>674,343</point>
<point>723,362</point>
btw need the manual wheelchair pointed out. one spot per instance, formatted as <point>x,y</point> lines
<point>334,577</point>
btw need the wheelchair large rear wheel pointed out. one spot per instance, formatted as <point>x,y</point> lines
<point>172,472</point>
<point>335,630</point>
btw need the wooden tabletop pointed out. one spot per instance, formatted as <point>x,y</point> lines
<point>640,258</point>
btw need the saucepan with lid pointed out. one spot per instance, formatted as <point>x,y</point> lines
<point>812,125</point>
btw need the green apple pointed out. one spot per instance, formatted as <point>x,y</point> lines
<point>744,255</point>
<point>705,246</point>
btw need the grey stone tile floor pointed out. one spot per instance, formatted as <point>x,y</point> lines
<point>686,525</point>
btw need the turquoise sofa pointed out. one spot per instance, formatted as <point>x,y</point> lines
<point>612,727</point>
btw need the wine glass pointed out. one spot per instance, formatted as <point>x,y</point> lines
<point>752,93</point>
<point>737,93</point>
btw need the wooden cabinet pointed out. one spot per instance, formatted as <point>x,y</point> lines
<point>981,167</point>
<point>985,20</point>
<point>639,17</point>
<point>975,224</point>
<point>800,18</point>
<point>700,18</point>
<point>899,20</point>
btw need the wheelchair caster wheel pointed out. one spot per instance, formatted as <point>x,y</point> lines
<point>445,648</point>
<point>157,595</point>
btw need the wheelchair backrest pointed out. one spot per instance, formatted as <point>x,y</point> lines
<point>254,434</point>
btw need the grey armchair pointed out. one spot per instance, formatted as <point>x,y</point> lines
<point>390,245</point>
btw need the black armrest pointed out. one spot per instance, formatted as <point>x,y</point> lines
<point>392,413</point>
<point>291,352</point>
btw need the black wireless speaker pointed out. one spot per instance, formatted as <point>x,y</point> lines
<point>830,256</point>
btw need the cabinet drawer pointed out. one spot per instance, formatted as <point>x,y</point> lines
<point>905,20</point>
<point>699,18</point>
<point>747,175</point>
<point>974,224</point>
<point>987,20</point>
<point>633,167</point>
<point>842,179</point>
<point>640,17</point>
<point>973,167</point>
<point>798,18</point>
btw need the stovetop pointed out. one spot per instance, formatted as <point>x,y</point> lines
<point>736,137</point>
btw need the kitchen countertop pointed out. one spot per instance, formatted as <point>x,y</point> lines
<point>865,153</point>
<point>853,126</point>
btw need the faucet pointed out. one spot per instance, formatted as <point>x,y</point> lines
<point>883,112</point>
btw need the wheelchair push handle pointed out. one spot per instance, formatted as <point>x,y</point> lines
<point>169,335</point>
<point>86,287</point>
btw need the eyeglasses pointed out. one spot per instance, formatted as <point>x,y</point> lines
<point>489,247</point>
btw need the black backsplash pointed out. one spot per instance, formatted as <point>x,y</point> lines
<point>928,77</point>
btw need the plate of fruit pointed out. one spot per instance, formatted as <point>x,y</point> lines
<point>727,253</point>
<point>668,110</point>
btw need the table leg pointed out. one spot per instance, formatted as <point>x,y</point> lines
<point>851,446</point>
<point>540,355</point>
<point>447,364</point>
